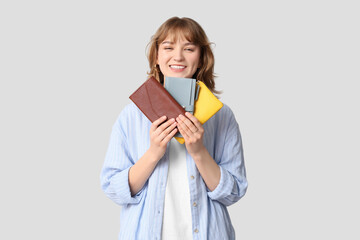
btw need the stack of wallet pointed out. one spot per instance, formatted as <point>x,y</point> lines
<point>185,91</point>
<point>178,96</point>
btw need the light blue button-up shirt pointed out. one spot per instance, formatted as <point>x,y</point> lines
<point>142,214</point>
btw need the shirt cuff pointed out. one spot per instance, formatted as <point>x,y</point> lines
<point>121,184</point>
<point>225,186</point>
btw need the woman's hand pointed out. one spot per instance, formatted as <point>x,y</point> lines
<point>161,135</point>
<point>192,131</point>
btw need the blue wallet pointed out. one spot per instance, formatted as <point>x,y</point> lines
<point>185,91</point>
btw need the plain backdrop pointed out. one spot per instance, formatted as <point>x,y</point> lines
<point>288,69</point>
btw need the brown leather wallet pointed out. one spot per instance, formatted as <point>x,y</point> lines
<point>155,101</point>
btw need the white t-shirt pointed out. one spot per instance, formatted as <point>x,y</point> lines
<point>177,223</point>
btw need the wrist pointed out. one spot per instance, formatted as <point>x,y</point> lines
<point>153,156</point>
<point>200,154</point>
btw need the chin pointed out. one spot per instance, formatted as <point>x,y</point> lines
<point>179,75</point>
<point>183,76</point>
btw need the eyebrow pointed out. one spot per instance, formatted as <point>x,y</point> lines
<point>169,42</point>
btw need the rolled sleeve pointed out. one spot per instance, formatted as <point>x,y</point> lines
<point>114,176</point>
<point>224,187</point>
<point>228,191</point>
<point>233,183</point>
<point>118,189</point>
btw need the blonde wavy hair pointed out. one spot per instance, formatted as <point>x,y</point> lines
<point>193,32</point>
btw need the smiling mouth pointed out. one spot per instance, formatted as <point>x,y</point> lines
<point>177,67</point>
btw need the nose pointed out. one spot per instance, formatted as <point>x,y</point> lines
<point>178,55</point>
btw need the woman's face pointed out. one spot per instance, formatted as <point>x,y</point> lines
<point>178,59</point>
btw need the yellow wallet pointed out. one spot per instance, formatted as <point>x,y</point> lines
<point>205,106</point>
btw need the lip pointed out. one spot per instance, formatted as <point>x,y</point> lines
<point>177,69</point>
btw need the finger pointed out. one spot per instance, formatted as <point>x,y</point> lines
<point>194,120</point>
<point>190,125</point>
<point>166,131</point>
<point>184,127</point>
<point>157,122</point>
<point>170,135</point>
<point>182,131</point>
<point>163,126</point>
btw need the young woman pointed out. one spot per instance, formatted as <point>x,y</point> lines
<point>169,190</point>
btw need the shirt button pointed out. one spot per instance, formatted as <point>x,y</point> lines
<point>196,230</point>
<point>194,204</point>
<point>158,212</point>
<point>192,177</point>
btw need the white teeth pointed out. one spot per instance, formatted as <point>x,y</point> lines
<point>178,67</point>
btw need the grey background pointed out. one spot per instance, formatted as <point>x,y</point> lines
<point>289,71</point>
